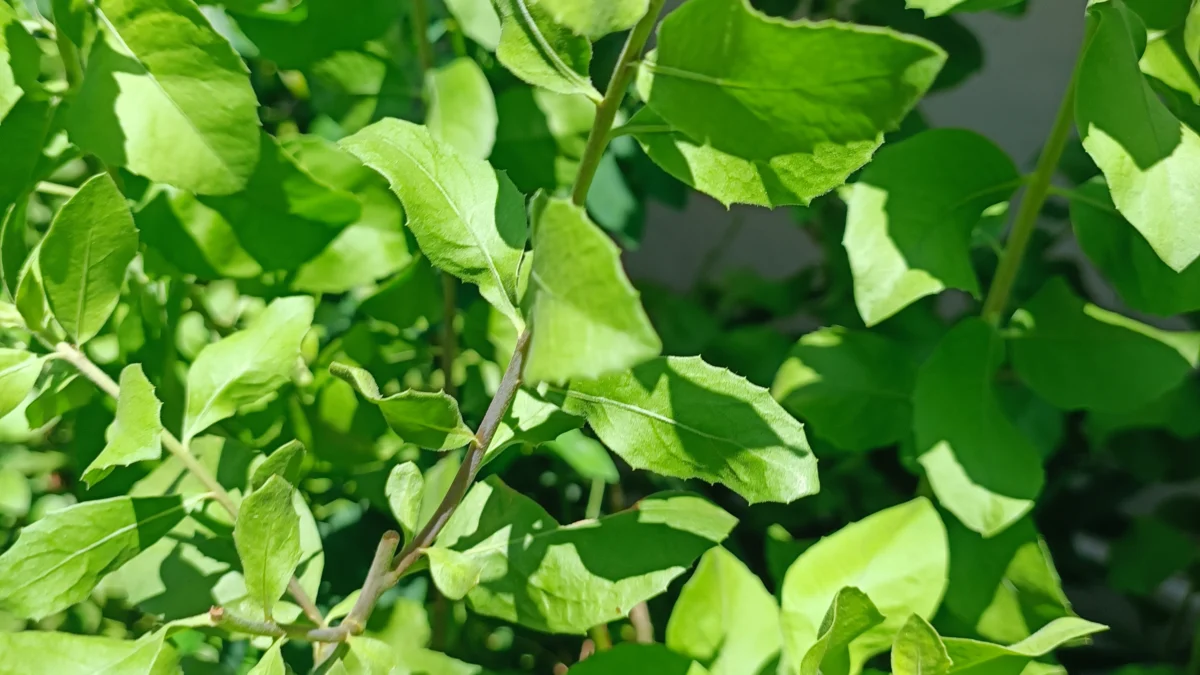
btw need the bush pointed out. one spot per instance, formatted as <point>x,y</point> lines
<point>318,353</point>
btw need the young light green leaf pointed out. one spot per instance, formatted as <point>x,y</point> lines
<point>136,433</point>
<point>19,61</point>
<point>918,650</point>
<point>972,656</point>
<point>541,51</point>
<point>589,319</point>
<point>980,465</point>
<point>247,365</point>
<point>284,217</point>
<point>514,562</point>
<point>285,462</point>
<point>588,457</point>
<point>40,652</point>
<point>462,109</point>
<point>1145,152</point>
<point>630,658</point>
<point>834,378</point>
<point>939,7</point>
<point>897,557</point>
<point>1142,279</point>
<point>596,19</point>
<point>428,419</point>
<point>850,615</point>
<point>267,535</point>
<point>725,617</point>
<point>732,78</point>
<point>910,217</point>
<point>478,20</point>
<point>1076,355</point>
<point>1002,588</point>
<point>23,134</point>
<point>84,255</point>
<point>404,489</point>
<point>271,662</point>
<point>19,371</point>
<point>682,417</point>
<point>468,219</point>
<point>161,122</point>
<point>781,180</point>
<point>59,559</point>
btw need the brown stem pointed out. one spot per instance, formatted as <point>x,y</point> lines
<point>374,586</point>
<point>420,23</point>
<point>84,365</point>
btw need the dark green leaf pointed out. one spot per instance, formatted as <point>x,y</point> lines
<point>19,371</point>
<point>635,659</point>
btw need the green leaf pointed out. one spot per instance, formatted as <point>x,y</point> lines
<point>404,489</point>
<point>72,17</point>
<point>62,390</point>
<point>37,653</point>
<point>59,559</point>
<point>897,557</point>
<point>185,237</point>
<point>727,76</point>
<point>271,662</point>
<point>780,180</point>
<point>16,496</point>
<point>630,658</point>
<point>850,615</point>
<point>596,19</point>
<point>979,464</point>
<point>285,462</point>
<point>414,294</point>
<point>468,219</point>
<point>136,433</point>
<point>919,650</point>
<point>1076,355</point>
<point>589,319</point>
<point>1142,279</point>
<point>246,366</point>
<point>284,217</point>
<point>514,562</point>
<point>1145,152</point>
<point>20,60</point>
<point>1148,554</point>
<point>983,658</point>
<point>428,419</point>
<point>1001,588</point>
<point>318,29</point>
<point>462,110</point>
<point>84,255</point>
<point>532,420</point>
<point>835,378</point>
<point>585,455</point>
<point>13,247</point>
<point>19,372</point>
<point>725,617</point>
<point>939,7</point>
<point>541,51</point>
<point>541,136</point>
<point>147,98</point>
<point>910,217</point>
<point>682,417</point>
<point>267,534</point>
<point>478,20</point>
<point>23,134</point>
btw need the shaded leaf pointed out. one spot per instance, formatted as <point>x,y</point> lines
<point>318,28</point>
<point>136,433</point>
<point>630,658</point>
<point>185,237</point>
<point>682,417</point>
<point>541,136</point>
<point>938,7</point>
<point>267,534</point>
<point>20,59</point>
<point>428,419</point>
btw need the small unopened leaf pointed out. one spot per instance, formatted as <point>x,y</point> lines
<point>589,318</point>
<point>58,560</point>
<point>850,615</point>
<point>514,562</point>
<point>910,217</point>
<point>247,365</point>
<point>136,433</point>
<point>267,534</point>
<point>462,110</point>
<point>979,464</point>
<point>725,617</point>
<point>19,371</point>
<point>84,255</point>
<point>468,218</point>
<point>1077,355</point>
<point>835,378</point>
<point>1148,156</point>
<point>897,557</point>
<point>428,419</point>
<point>404,489</point>
<point>918,650</point>
<point>972,656</point>
<point>682,417</point>
<point>541,51</point>
<point>285,462</point>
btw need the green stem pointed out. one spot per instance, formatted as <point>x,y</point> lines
<point>70,59</point>
<point>91,371</point>
<point>1031,206</point>
<point>606,111</point>
<point>601,637</point>
<point>420,22</point>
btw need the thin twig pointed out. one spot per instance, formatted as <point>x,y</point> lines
<point>643,627</point>
<point>420,22</point>
<point>46,187</point>
<point>91,371</point>
<point>449,339</point>
<point>374,586</point>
